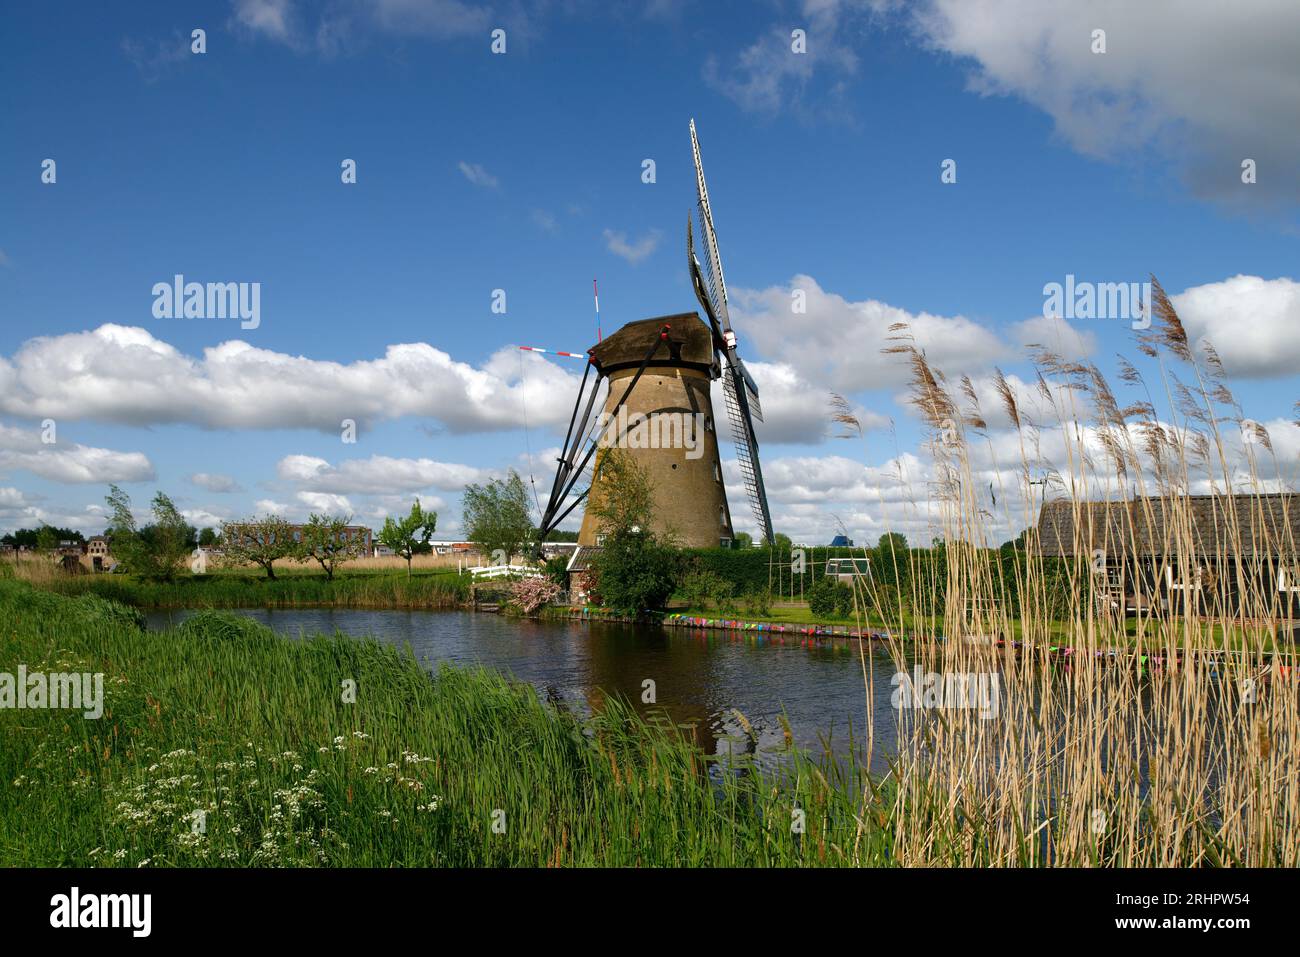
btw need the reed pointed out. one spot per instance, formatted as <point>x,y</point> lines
<point>1183,752</point>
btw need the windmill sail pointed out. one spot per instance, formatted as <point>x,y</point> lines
<point>738,387</point>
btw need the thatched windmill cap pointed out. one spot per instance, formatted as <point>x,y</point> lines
<point>689,343</point>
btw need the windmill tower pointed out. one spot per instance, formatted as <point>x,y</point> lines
<point>659,371</point>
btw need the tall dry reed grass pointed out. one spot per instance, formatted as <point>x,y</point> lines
<point>1185,751</point>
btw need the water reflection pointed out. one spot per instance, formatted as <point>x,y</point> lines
<point>700,678</point>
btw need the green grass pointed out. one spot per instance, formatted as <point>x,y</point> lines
<point>224,717</point>
<point>360,589</point>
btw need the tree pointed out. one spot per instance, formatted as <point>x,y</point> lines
<point>326,539</point>
<point>157,550</point>
<point>30,537</point>
<point>47,540</point>
<point>893,544</point>
<point>410,536</point>
<point>259,541</point>
<point>497,517</point>
<point>744,540</point>
<point>783,542</point>
<point>637,570</point>
<point>207,538</point>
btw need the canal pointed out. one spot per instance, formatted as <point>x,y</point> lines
<point>701,678</point>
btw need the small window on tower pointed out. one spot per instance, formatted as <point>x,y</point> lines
<point>722,515</point>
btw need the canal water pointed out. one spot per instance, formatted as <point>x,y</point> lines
<point>701,678</point>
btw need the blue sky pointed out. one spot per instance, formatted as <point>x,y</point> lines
<point>522,171</point>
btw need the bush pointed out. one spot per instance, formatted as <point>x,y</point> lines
<point>757,602</point>
<point>843,601</point>
<point>530,594</point>
<point>637,572</point>
<point>821,598</point>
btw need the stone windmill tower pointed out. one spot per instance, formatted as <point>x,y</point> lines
<point>659,409</point>
<point>665,425</point>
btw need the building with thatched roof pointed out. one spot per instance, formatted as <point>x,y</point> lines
<point>1203,554</point>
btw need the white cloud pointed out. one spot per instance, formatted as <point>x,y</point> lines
<point>377,475</point>
<point>1057,335</point>
<point>326,503</point>
<point>477,175</point>
<point>794,409</point>
<point>214,482</point>
<point>1202,84</point>
<point>634,251</point>
<point>275,19</point>
<point>1253,323</point>
<point>768,75</point>
<point>69,462</point>
<point>125,375</point>
<point>838,343</point>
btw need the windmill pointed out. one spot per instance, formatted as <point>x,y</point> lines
<point>738,387</point>
<point>659,366</point>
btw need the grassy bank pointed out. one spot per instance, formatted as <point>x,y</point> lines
<point>222,743</point>
<point>349,589</point>
<point>222,717</point>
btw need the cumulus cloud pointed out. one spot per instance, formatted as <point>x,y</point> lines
<point>212,482</point>
<point>69,462</point>
<point>1069,342</point>
<point>377,475</point>
<point>125,375</point>
<point>795,410</point>
<point>633,251</point>
<point>1200,84</point>
<point>1253,323</point>
<point>838,342</point>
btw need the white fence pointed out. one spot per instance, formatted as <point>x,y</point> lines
<point>505,571</point>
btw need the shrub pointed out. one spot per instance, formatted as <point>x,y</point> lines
<point>757,602</point>
<point>530,594</point>
<point>637,571</point>
<point>821,598</point>
<point>843,601</point>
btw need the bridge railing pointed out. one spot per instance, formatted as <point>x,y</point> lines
<point>505,571</point>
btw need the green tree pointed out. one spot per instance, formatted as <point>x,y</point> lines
<point>259,541</point>
<point>326,539</point>
<point>744,540</point>
<point>497,517</point>
<point>159,549</point>
<point>636,569</point>
<point>410,536</point>
<point>27,537</point>
<point>47,540</point>
<point>895,542</point>
<point>783,542</point>
<point>207,538</point>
